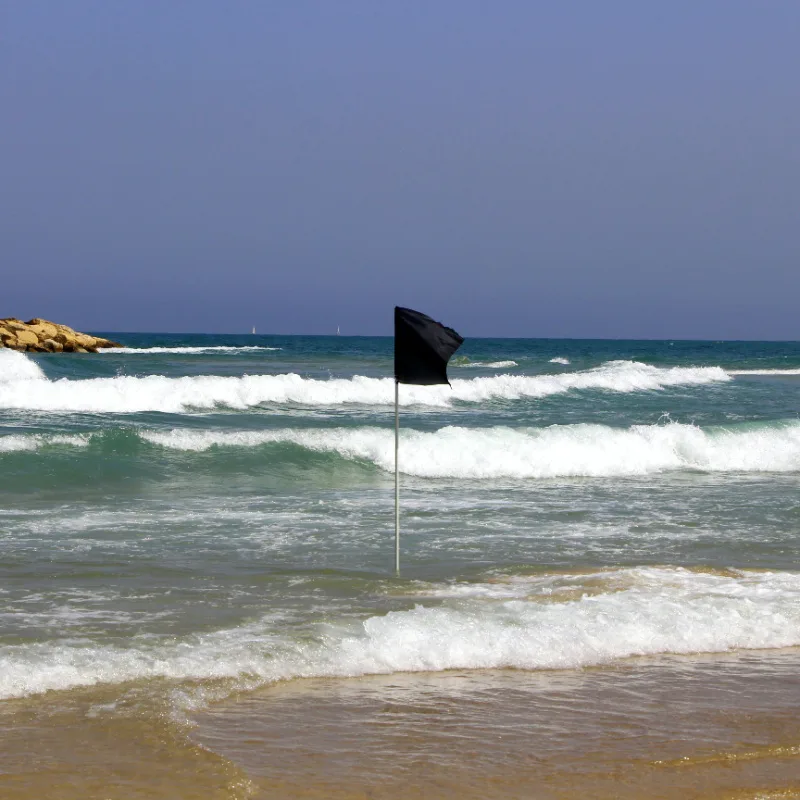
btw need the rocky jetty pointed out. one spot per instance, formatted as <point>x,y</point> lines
<point>40,336</point>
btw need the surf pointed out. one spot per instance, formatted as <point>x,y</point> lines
<point>511,621</point>
<point>24,386</point>
<point>185,350</point>
<point>557,451</point>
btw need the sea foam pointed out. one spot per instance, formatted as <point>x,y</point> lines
<point>35,441</point>
<point>15,366</point>
<point>764,372</point>
<point>24,386</point>
<point>488,364</point>
<point>555,451</point>
<point>184,350</point>
<point>622,613</point>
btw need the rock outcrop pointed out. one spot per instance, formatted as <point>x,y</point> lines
<point>40,336</point>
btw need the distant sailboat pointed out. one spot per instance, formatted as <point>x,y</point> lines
<point>254,329</point>
<point>337,330</point>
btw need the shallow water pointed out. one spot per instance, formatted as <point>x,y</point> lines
<point>600,591</point>
<point>669,728</point>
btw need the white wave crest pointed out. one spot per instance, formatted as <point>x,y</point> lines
<point>29,389</point>
<point>559,360</point>
<point>764,372</point>
<point>15,366</point>
<point>488,364</point>
<point>556,451</point>
<point>183,350</point>
<point>634,612</point>
<point>34,441</point>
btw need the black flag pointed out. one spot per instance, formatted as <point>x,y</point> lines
<point>422,348</point>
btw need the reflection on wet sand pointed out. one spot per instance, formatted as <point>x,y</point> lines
<point>724,727</point>
<point>710,727</point>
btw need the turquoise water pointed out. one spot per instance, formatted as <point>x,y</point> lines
<point>217,511</point>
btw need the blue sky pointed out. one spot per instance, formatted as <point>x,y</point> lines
<point>575,169</point>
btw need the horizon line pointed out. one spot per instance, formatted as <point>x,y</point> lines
<point>466,336</point>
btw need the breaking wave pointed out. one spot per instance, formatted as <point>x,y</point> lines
<point>184,350</point>
<point>556,451</point>
<point>16,366</point>
<point>581,450</point>
<point>559,360</point>
<point>545,622</point>
<point>764,371</point>
<point>23,385</point>
<point>35,441</point>
<point>488,364</point>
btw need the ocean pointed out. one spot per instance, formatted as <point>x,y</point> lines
<point>600,586</point>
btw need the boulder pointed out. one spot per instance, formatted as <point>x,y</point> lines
<point>74,347</point>
<point>84,340</point>
<point>26,337</point>
<point>13,324</point>
<point>44,330</point>
<point>52,346</point>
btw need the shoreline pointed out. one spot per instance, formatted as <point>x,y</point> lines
<point>669,727</point>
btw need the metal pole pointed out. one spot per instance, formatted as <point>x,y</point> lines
<point>396,478</point>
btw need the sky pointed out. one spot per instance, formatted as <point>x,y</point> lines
<point>615,169</point>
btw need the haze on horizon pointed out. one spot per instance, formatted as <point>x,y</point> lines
<point>570,169</point>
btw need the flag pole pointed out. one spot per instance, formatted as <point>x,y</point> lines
<point>396,477</point>
<point>422,348</point>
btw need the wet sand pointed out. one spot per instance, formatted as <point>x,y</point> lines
<point>709,727</point>
<point>675,727</point>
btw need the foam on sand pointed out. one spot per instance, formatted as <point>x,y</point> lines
<point>560,622</point>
